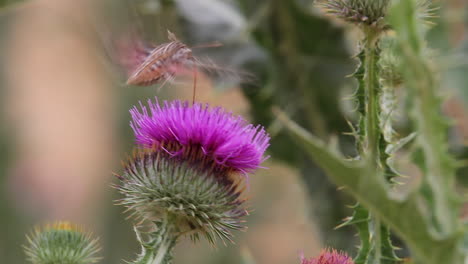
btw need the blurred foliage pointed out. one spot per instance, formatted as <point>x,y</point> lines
<point>451,59</point>
<point>4,3</point>
<point>306,61</point>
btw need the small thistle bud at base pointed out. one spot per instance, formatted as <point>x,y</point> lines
<point>366,13</point>
<point>328,256</point>
<point>63,243</point>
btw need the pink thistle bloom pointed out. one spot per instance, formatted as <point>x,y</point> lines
<point>329,257</point>
<point>213,136</point>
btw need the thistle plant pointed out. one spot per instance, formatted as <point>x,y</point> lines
<point>393,54</point>
<point>187,177</point>
<point>61,243</point>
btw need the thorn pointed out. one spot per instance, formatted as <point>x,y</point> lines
<point>120,177</point>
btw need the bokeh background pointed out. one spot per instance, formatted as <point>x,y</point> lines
<point>64,113</point>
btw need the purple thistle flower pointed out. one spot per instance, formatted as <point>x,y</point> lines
<point>329,257</point>
<point>180,179</point>
<point>212,134</point>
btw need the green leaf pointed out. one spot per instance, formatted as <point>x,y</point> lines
<point>407,217</point>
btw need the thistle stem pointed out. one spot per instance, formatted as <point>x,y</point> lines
<point>372,101</point>
<point>381,250</point>
<point>161,253</point>
<point>378,239</point>
<point>158,250</point>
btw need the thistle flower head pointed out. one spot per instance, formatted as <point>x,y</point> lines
<point>214,135</point>
<point>186,168</point>
<point>360,12</point>
<point>61,242</point>
<point>329,257</point>
<point>371,13</point>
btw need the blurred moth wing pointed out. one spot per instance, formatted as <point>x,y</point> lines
<point>162,63</point>
<point>148,65</point>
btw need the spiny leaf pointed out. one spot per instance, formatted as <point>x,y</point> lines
<point>407,217</point>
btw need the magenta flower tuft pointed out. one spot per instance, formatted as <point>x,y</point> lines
<point>329,257</point>
<point>212,134</point>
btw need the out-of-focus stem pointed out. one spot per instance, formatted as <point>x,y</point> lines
<point>378,239</point>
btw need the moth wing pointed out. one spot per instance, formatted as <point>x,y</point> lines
<point>151,69</point>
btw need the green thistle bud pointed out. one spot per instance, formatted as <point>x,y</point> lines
<point>197,199</point>
<point>61,243</point>
<point>369,13</point>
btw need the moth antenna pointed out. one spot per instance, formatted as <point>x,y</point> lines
<point>194,84</point>
<point>214,44</point>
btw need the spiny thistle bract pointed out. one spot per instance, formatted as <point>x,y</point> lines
<point>361,12</point>
<point>370,13</point>
<point>198,199</point>
<point>190,168</point>
<point>329,257</point>
<point>61,243</point>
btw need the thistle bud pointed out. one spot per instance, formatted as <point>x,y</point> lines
<point>187,177</point>
<point>61,242</point>
<point>369,13</point>
<point>197,199</point>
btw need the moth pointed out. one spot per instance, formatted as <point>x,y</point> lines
<point>148,64</point>
<point>151,65</point>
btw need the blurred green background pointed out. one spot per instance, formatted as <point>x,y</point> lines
<point>64,114</point>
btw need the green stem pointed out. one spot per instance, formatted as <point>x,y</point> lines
<point>158,250</point>
<point>161,253</point>
<point>382,250</point>
<point>378,240</point>
<point>372,100</point>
